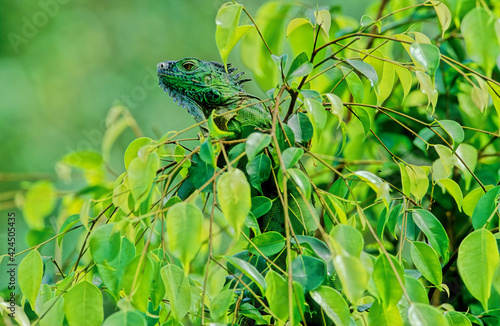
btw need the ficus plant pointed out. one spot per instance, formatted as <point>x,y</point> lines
<point>372,200</point>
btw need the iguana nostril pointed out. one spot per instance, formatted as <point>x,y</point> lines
<point>161,65</point>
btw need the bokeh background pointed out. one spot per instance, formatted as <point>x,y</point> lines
<point>64,64</point>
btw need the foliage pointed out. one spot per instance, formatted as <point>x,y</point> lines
<point>373,200</point>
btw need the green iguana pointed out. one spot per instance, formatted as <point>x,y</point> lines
<point>204,86</point>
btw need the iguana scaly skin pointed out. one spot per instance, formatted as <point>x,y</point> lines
<point>203,87</point>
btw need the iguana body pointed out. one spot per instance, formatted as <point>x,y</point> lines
<point>203,87</point>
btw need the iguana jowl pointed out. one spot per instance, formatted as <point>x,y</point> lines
<point>204,86</point>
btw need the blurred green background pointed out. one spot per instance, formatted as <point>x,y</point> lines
<point>64,64</point>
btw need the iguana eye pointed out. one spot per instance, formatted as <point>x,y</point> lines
<point>188,65</point>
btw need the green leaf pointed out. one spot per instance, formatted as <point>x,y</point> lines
<point>141,174</point>
<point>323,19</point>
<point>121,194</point>
<point>40,200</point>
<point>434,231</point>
<point>83,305</point>
<point>250,311</point>
<point>367,21</point>
<point>456,318</point>
<point>159,259</point>
<point>469,155</point>
<point>260,205</point>
<point>454,129</point>
<point>405,78</point>
<point>426,55</point>
<point>425,315</point>
<point>366,69</point>
<point>44,295</point>
<point>52,312</point>
<point>227,33</point>
<point>386,83</point>
<point>352,275</point>
<point>30,275</point>
<point>139,274</point>
<point>133,148</point>
<point>320,248</point>
<point>235,151</point>
<point>291,156</point>
<point>419,183</point>
<point>346,240</point>
<point>200,173</point>
<point>301,126</point>
<point>177,290</point>
<point>300,67</point>
<point>447,158</point>
<point>354,83</point>
<point>214,131</point>
<point>68,224</point>
<point>454,189</point>
<point>249,270</point>
<point>310,272</point>
<point>256,143</point>
<point>275,295</point>
<point>479,99</point>
<point>333,304</point>
<point>416,290</point>
<point>363,116</point>
<point>343,127</point>
<point>233,194</point>
<point>184,230</point>
<point>317,112</point>
<point>405,179</point>
<point>481,41</point>
<point>285,136</point>
<point>427,262</point>
<point>259,169</point>
<point>485,208</point>
<point>493,90</point>
<point>444,15</point>
<point>125,318</point>
<point>427,87</point>
<point>251,223</point>
<point>105,243</point>
<point>280,61</point>
<point>269,243</point>
<point>296,23</point>
<point>393,219</point>
<point>384,316</point>
<point>207,152</point>
<point>111,272</point>
<point>85,160</point>
<point>470,201</point>
<point>378,185</point>
<point>301,180</point>
<point>220,304</point>
<point>388,288</point>
<point>337,106</point>
<point>480,95</point>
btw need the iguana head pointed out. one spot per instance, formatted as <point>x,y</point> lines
<point>204,82</point>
